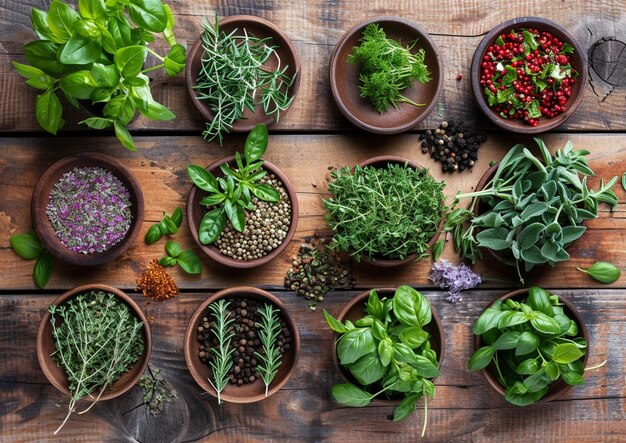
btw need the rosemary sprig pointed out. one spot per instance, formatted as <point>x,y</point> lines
<point>222,361</point>
<point>97,339</point>
<point>268,331</point>
<point>234,68</point>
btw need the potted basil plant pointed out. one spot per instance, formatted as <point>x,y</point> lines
<point>96,56</point>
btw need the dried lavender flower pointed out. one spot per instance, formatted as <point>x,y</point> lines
<point>454,278</point>
<point>89,209</point>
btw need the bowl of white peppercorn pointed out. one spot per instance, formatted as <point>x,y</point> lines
<point>268,227</point>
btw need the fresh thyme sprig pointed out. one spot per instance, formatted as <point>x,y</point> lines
<point>268,330</point>
<point>234,68</point>
<point>222,361</point>
<point>97,339</point>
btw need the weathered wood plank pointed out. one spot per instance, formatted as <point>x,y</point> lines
<point>316,26</point>
<point>160,168</point>
<point>465,407</point>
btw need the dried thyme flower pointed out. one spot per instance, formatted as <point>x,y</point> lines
<point>89,209</point>
<point>156,284</point>
<point>454,278</point>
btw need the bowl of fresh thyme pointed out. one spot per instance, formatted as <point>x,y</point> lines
<point>242,71</point>
<point>87,209</point>
<point>386,75</point>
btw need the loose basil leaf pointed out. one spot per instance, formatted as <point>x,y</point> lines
<point>189,261</point>
<point>256,143</point>
<point>354,344</point>
<point>565,353</point>
<point>148,14</point>
<point>43,270</point>
<point>202,178</point>
<point>367,369</point>
<point>481,358</point>
<point>334,324</point>
<point>405,407</point>
<point>603,272</point>
<point>153,234</point>
<point>48,111</point>
<point>27,246</point>
<point>410,307</point>
<point>124,136</point>
<point>61,20</point>
<point>173,249</point>
<point>168,261</point>
<point>167,226</point>
<point>130,60</point>
<point>177,218</point>
<point>97,122</point>
<point>349,395</point>
<point>266,193</point>
<point>211,226</point>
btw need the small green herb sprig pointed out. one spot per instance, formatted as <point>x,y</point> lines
<point>268,329</point>
<point>97,53</point>
<point>535,208</point>
<point>388,352</point>
<point>187,260</point>
<point>231,195</point>
<point>29,247</point>
<point>531,343</point>
<point>234,77</point>
<point>97,339</point>
<point>223,352</point>
<point>168,225</point>
<point>384,212</point>
<point>387,68</point>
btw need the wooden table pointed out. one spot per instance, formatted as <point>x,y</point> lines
<point>309,140</point>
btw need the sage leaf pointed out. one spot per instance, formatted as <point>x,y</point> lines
<point>493,238</point>
<point>604,272</point>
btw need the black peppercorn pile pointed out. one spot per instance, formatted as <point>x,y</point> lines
<point>453,144</point>
<point>245,340</point>
<point>316,271</point>
<point>266,226</point>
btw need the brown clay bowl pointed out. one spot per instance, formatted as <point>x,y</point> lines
<point>46,346</point>
<point>557,388</point>
<point>250,392</point>
<point>41,195</point>
<point>355,309</point>
<point>195,212</point>
<point>260,28</point>
<point>344,79</point>
<point>381,162</point>
<point>578,61</point>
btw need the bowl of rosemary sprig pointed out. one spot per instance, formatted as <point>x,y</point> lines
<point>386,75</point>
<point>241,345</point>
<point>242,71</point>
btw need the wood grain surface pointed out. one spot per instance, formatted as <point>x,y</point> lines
<point>311,139</point>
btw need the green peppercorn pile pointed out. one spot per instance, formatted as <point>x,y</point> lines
<point>266,226</point>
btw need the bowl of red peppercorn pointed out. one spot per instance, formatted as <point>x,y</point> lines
<point>528,75</point>
<point>244,348</point>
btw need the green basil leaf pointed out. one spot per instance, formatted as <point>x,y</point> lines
<point>256,144</point>
<point>175,60</point>
<point>97,122</point>
<point>130,60</point>
<point>508,340</point>
<point>167,32</point>
<point>93,9</point>
<point>190,262</point>
<point>177,217</point>
<point>527,367</point>
<point>236,215</point>
<point>406,407</point>
<point>334,324</point>
<point>365,321</point>
<point>120,107</point>
<point>552,371</point>
<point>424,367</point>
<point>104,75</point>
<point>354,344</point>
<point>518,395</point>
<point>265,193</point>
<point>481,358</point>
<point>539,300</point>
<point>385,351</point>
<point>374,306</point>
<point>120,30</point>
<point>43,55</point>
<point>87,29</point>
<point>603,272</point>
<point>202,178</point>
<point>168,261</point>
<point>27,246</point>
<point>48,111</point>
<point>148,14</point>
<point>61,20</point>
<point>413,336</point>
<point>39,19</point>
<point>153,234</point>
<point>173,249</point>
<point>545,324</point>
<point>537,381</point>
<point>212,200</point>
<point>565,353</point>
<point>43,270</point>
<point>347,394</point>
<point>526,343</point>
<point>36,78</point>
<point>78,84</point>
<point>511,318</point>
<point>410,307</point>
<point>367,369</point>
<point>124,136</point>
<point>573,378</point>
<point>488,320</point>
<point>211,226</point>
<point>153,109</point>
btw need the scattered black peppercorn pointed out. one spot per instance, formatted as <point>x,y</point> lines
<point>454,145</point>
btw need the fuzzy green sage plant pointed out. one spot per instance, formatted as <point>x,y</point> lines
<point>97,339</point>
<point>532,209</point>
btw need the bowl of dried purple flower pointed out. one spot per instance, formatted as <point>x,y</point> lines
<point>87,209</point>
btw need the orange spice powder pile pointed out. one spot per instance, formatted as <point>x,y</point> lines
<point>156,284</point>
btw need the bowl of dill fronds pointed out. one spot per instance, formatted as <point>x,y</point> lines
<point>386,75</point>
